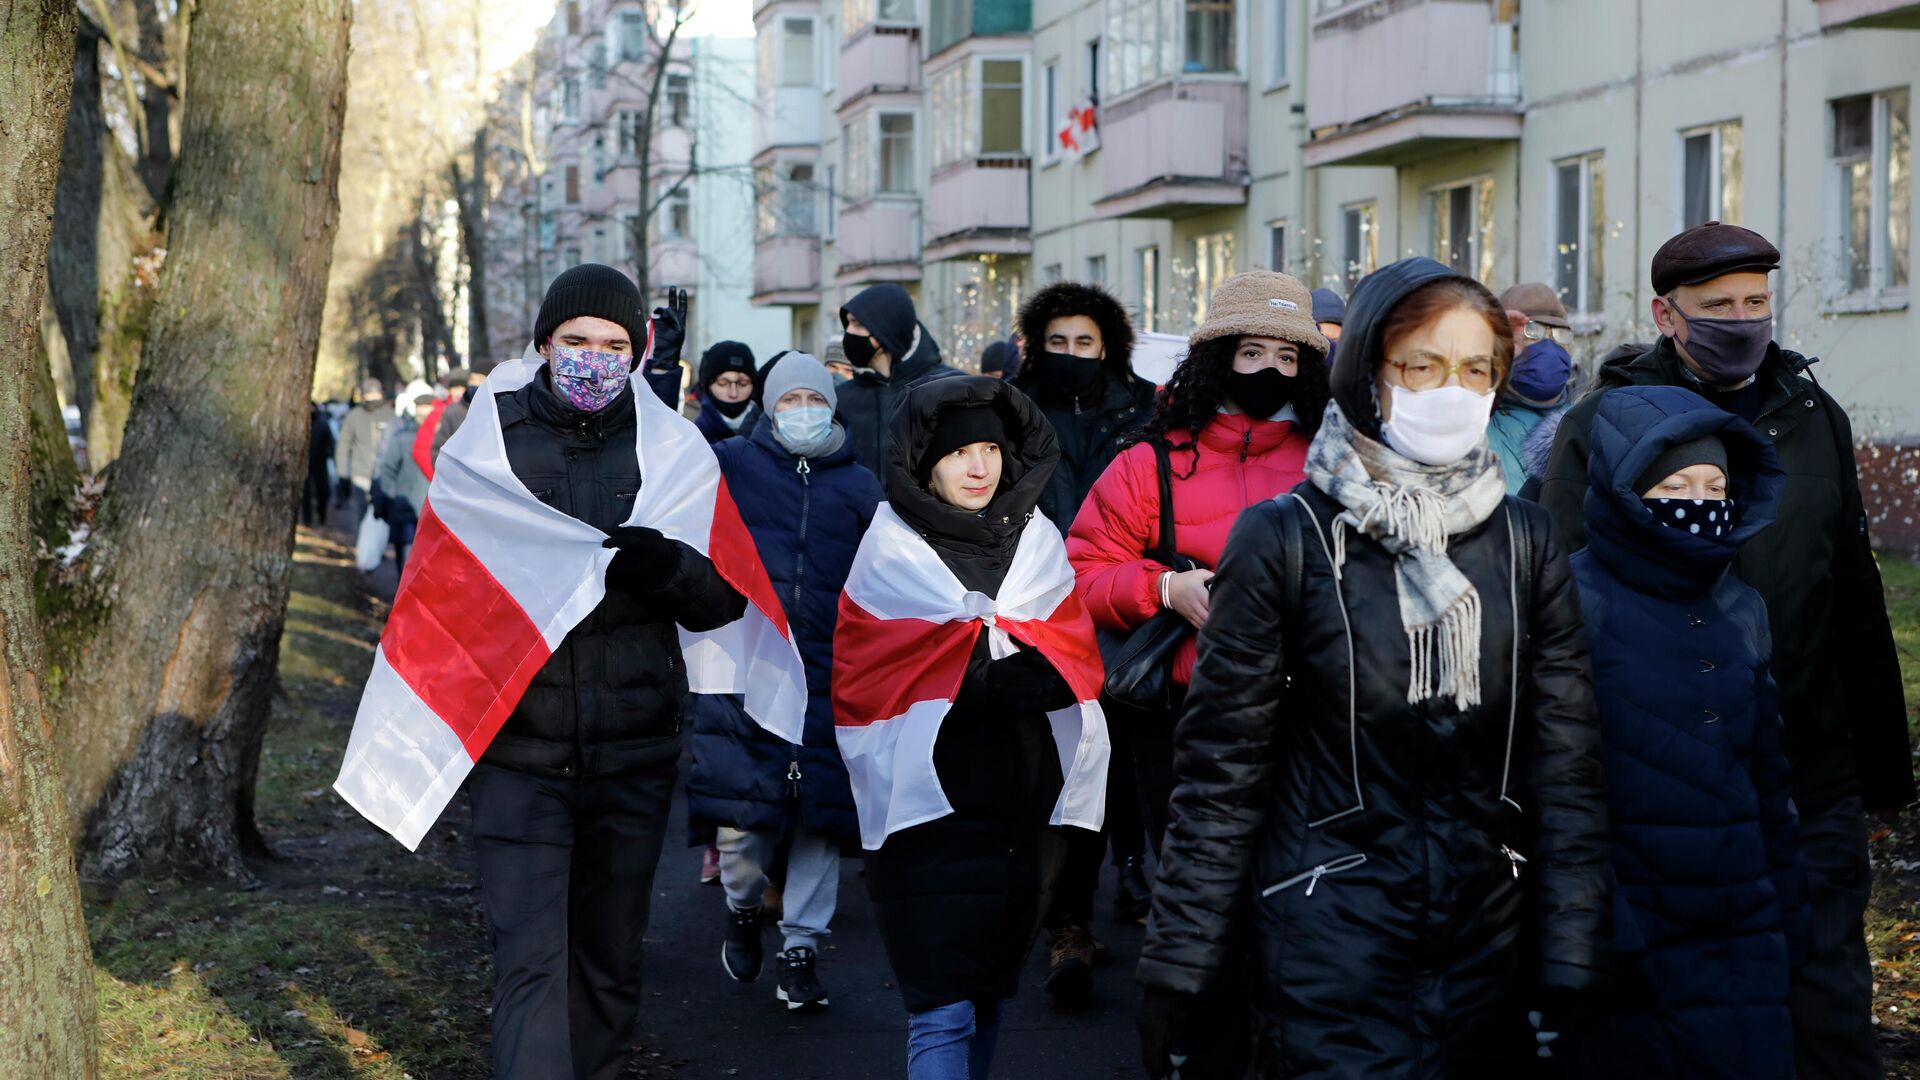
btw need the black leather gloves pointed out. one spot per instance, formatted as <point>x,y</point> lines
<point>669,330</point>
<point>1025,679</point>
<point>1164,1019</point>
<point>645,561</point>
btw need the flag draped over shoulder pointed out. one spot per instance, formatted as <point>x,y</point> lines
<point>495,581</point>
<point>907,628</point>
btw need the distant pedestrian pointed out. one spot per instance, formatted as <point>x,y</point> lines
<point>806,503</point>
<point>356,457</point>
<point>1329,313</point>
<point>965,675</point>
<point>1000,359</point>
<point>318,489</point>
<point>891,352</point>
<point>1711,911</point>
<point>1833,648</point>
<point>835,358</point>
<point>460,397</point>
<point>401,486</point>
<point>726,390</point>
<point>1541,387</point>
<point>1389,810</point>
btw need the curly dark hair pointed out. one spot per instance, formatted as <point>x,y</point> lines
<point>1192,397</point>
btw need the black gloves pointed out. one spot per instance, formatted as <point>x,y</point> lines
<point>669,330</point>
<point>645,561</point>
<point>1164,1017</point>
<point>1019,682</point>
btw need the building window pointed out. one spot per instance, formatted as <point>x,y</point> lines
<point>895,11</point>
<point>949,102</point>
<point>629,237</point>
<point>548,234</point>
<point>1462,220</point>
<point>1092,87</point>
<point>633,35</point>
<point>1359,243</point>
<point>679,100</point>
<point>1052,273</point>
<point>572,175</point>
<point>1053,115</point>
<point>1141,36</point>
<point>855,15</point>
<point>1150,289</point>
<point>797,52</point>
<point>766,204</point>
<point>797,199</point>
<point>573,16</point>
<point>1872,162</point>
<point>628,124</point>
<point>1097,270</point>
<point>896,153</point>
<point>679,214</point>
<point>1277,246</point>
<point>570,257</point>
<point>599,159</point>
<point>831,207</point>
<point>570,99</point>
<point>1209,45</point>
<point>1002,113</point>
<point>1212,264</point>
<point>859,14</point>
<point>856,149</point>
<point>1279,16</point>
<point>1710,175</point>
<point>1579,216</point>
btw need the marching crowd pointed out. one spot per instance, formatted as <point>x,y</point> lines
<point>1445,713</point>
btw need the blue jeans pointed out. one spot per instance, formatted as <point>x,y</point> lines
<point>952,1042</point>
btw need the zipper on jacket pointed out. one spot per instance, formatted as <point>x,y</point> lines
<point>793,774</point>
<point>1353,708</point>
<point>1312,877</point>
<point>1246,443</point>
<point>800,545</point>
<point>1514,858</point>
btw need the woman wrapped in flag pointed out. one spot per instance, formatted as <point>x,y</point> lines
<point>965,696</point>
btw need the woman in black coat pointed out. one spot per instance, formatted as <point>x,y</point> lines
<point>1388,770</point>
<point>959,633</point>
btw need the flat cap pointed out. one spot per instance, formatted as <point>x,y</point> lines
<point>1707,251</point>
<point>1537,301</point>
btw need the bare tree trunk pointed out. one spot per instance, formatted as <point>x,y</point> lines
<point>73,260</point>
<point>162,723</point>
<point>473,237</point>
<point>46,977</point>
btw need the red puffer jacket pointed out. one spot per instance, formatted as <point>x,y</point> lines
<point>1242,462</point>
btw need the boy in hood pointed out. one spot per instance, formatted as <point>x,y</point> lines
<point>891,352</point>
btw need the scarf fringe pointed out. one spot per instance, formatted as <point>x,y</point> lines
<point>1446,656</point>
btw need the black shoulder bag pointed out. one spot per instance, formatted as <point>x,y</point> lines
<point>1140,663</point>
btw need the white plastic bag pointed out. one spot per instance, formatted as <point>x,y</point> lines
<point>370,547</point>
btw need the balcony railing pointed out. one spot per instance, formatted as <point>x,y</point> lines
<point>879,60</point>
<point>786,270</point>
<point>1174,148</point>
<point>977,208</point>
<point>879,240</point>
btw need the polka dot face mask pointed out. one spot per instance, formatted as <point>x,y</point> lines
<point>1711,518</point>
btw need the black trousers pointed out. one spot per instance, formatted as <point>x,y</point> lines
<point>1072,899</point>
<point>1832,995</point>
<point>566,876</point>
<point>314,496</point>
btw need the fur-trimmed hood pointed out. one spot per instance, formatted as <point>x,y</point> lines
<point>1075,298</point>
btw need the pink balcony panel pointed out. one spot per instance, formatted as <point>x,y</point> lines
<point>1366,63</point>
<point>675,262</point>
<point>978,206</point>
<point>792,120</point>
<point>786,270</point>
<point>884,59</point>
<point>1174,148</point>
<point>879,240</point>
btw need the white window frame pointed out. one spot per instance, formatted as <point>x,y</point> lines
<point>827,36</point>
<point>1283,227</point>
<point>783,78</point>
<point>1279,39</point>
<point>1352,269</point>
<point>1146,262</point>
<point>1215,257</point>
<point>1096,270</point>
<point>571,94</point>
<point>1881,292</point>
<point>1479,233</point>
<point>978,105</point>
<point>617,44</point>
<point>1722,209</point>
<point>1051,108</point>
<point>1587,297</point>
<point>874,117</point>
<point>1145,42</point>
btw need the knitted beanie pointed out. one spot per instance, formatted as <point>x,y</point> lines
<point>1705,450</point>
<point>722,357</point>
<point>592,289</point>
<point>799,371</point>
<point>1262,303</point>
<point>954,428</point>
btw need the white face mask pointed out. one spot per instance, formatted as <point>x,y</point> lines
<point>1437,427</point>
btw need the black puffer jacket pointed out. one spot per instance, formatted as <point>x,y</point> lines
<point>1833,652</point>
<point>1398,865</point>
<point>958,899</point>
<point>608,699</point>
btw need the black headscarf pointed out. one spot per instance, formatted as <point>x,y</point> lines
<point>1363,341</point>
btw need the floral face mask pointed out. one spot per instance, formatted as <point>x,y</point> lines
<point>589,379</point>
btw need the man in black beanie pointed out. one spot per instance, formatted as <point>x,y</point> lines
<point>726,390</point>
<point>570,799</point>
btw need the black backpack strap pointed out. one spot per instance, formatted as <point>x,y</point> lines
<point>1168,551</point>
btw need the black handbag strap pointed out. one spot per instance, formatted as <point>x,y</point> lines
<point>1167,551</point>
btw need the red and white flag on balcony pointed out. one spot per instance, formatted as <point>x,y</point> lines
<point>907,628</point>
<point>1080,135</point>
<point>495,581</point>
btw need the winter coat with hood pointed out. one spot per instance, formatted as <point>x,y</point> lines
<point>1521,433</point>
<point>1090,421</point>
<point>1834,656</point>
<point>1373,847</point>
<point>1711,890</point>
<point>608,700</point>
<point>1237,461</point>
<point>867,401</point>
<point>399,476</point>
<point>806,517</point>
<point>958,898</point>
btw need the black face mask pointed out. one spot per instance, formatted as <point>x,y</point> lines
<point>1261,393</point>
<point>1710,519</point>
<point>730,409</point>
<point>859,349</point>
<point>1069,375</point>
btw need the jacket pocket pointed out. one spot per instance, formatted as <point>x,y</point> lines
<point>1312,877</point>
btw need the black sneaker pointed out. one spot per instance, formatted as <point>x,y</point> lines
<point>740,949</point>
<point>799,981</point>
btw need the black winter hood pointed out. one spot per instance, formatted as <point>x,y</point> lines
<point>1363,343</point>
<point>1073,298</point>
<point>978,548</point>
<point>887,313</point>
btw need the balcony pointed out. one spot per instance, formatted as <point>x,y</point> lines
<point>879,240</point>
<point>1174,148</point>
<point>793,119</point>
<point>786,270</point>
<point>1395,81</point>
<point>673,261</point>
<point>880,60</point>
<point>1884,14</point>
<point>978,208</point>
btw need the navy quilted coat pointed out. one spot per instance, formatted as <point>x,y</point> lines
<point>1711,905</point>
<point>806,523</point>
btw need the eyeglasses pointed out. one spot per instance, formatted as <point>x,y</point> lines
<point>1477,373</point>
<point>1539,331</point>
<point>734,382</point>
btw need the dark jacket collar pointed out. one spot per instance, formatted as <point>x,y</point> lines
<point>1116,392</point>
<point>1660,365</point>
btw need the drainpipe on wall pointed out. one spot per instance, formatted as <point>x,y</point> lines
<point>1306,184</point>
<point>1779,314</point>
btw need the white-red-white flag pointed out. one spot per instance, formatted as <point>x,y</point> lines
<point>496,579</point>
<point>907,628</point>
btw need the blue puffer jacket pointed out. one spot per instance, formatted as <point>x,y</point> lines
<point>806,523</point>
<point>1711,909</point>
